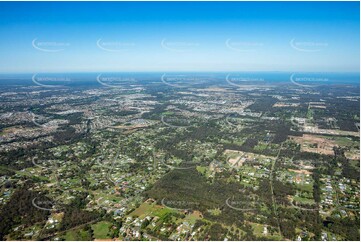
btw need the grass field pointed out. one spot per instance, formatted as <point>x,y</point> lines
<point>305,187</point>
<point>303,200</point>
<point>152,209</point>
<point>101,230</point>
<point>76,235</point>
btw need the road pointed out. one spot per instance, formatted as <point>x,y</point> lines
<point>272,190</point>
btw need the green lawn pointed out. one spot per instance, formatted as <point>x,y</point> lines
<point>76,235</point>
<point>257,229</point>
<point>146,209</point>
<point>305,187</point>
<point>201,169</point>
<point>101,230</point>
<point>355,163</point>
<point>303,200</point>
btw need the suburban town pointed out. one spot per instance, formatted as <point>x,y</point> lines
<point>133,162</point>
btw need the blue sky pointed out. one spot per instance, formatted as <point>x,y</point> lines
<point>179,36</point>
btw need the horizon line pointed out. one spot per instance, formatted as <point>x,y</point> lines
<point>173,71</point>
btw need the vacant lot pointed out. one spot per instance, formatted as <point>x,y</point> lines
<point>315,144</point>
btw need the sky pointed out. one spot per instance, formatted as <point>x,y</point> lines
<point>179,36</point>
